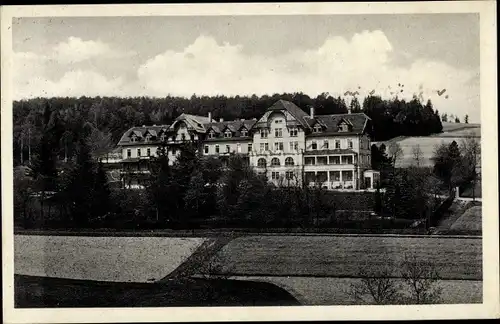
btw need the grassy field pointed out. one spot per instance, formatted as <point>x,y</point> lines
<point>451,132</point>
<point>335,291</point>
<point>123,259</point>
<point>470,221</point>
<point>53,292</point>
<point>455,258</point>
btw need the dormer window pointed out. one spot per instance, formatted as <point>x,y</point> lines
<point>317,128</point>
<point>244,132</point>
<point>228,134</point>
<point>148,137</point>
<point>133,138</point>
<point>183,137</point>
<point>211,134</point>
<point>162,137</point>
<point>343,127</point>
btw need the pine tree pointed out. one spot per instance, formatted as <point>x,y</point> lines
<point>81,186</point>
<point>355,106</point>
<point>466,119</point>
<point>101,193</point>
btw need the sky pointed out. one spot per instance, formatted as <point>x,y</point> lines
<point>244,55</point>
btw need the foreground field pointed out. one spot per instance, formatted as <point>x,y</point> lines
<point>123,259</point>
<point>337,256</point>
<point>52,292</point>
<point>335,291</point>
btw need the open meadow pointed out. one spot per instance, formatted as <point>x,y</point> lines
<point>344,256</point>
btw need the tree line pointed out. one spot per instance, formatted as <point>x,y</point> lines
<point>110,117</point>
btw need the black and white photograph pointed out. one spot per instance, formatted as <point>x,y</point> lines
<point>271,159</point>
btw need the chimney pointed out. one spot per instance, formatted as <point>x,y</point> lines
<point>221,120</point>
<point>209,116</point>
<point>311,108</point>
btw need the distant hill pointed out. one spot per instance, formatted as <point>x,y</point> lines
<point>451,132</point>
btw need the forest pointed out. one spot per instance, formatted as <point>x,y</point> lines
<point>110,117</point>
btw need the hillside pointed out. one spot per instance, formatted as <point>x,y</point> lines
<point>451,132</point>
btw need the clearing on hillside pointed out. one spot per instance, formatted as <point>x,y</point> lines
<point>469,222</point>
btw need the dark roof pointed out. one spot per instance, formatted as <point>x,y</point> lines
<point>140,131</point>
<point>234,125</point>
<point>325,152</point>
<point>331,122</point>
<point>293,109</point>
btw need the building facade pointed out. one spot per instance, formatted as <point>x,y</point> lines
<point>286,144</point>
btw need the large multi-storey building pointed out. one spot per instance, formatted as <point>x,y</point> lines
<point>286,144</point>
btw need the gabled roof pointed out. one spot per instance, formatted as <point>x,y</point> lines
<point>136,133</point>
<point>196,122</point>
<point>234,125</point>
<point>357,120</point>
<point>152,132</point>
<point>140,131</point>
<point>293,109</point>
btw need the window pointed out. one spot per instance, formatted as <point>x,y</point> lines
<point>294,146</point>
<point>346,175</point>
<point>289,161</point>
<point>275,175</point>
<point>148,137</point>
<point>344,127</point>
<point>275,162</point>
<point>238,147</point>
<point>278,121</point>
<point>129,153</point>
<point>278,146</point>
<point>346,159</point>
<point>263,133</point>
<point>317,128</point>
<point>278,132</point>
<point>293,132</point>
<point>321,160</point>
<point>211,134</point>
<point>206,149</point>
<point>349,144</point>
<point>244,132</point>
<point>162,137</point>
<point>334,160</point>
<point>227,134</point>
<point>262,147</point>
<point>148,151</point>
<point>217,148</point>
<point>249,147</point>
<point>314,145</point>
<point>337,144</point>
<point>334,175</point>
<point>133,138</point>
<point>325,144</point>
<point>139,152</point>
<point>266,146</point>
<point>228,149</point>
<point>289,175</point>
<point>261,163</point>
<point>310,160</point>
<point>183,136</point>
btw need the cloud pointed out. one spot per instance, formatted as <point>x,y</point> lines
<point>363,62</point>
<point>76,50</point>
<point>73,83</point>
